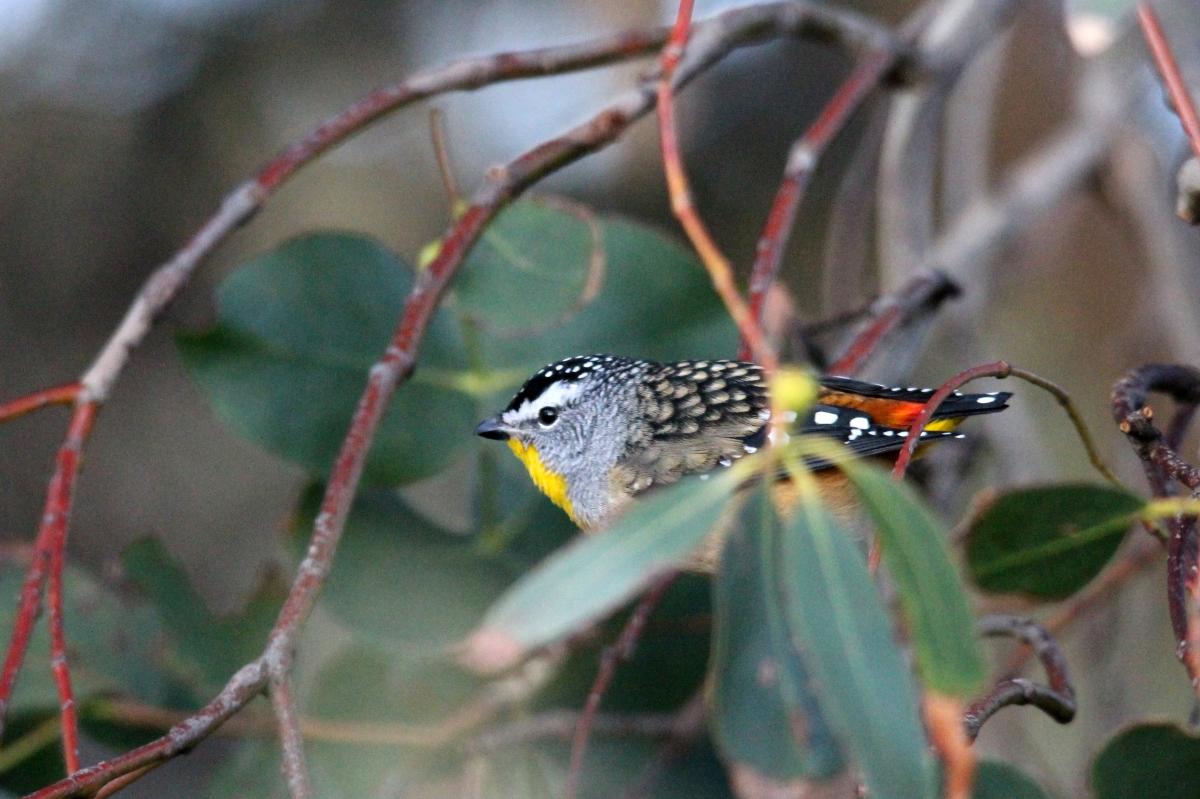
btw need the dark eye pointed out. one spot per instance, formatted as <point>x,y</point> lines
<point>548,416</point>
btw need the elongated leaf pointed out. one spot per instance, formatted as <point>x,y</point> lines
<point>865,688</point>
<point>931,595</point>
<point>594,575</point>
<point>765,715</point>
<point>297,329</point>
<point>1149,761</point>
<point>1048,541</point>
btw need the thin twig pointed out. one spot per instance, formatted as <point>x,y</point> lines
<point>58,395</point>
<point>921,295</point>
<point>561,724</point>
<point>291,739</point>
<point>441,151</point>
<point>1081,429</point>
<point>51,538</point>
<point>58,659</point>
<point>611,658</point>
<point>123,782</point>
<point>1057,699</point>
<point>1164,59</point>
<point>802,160</point>
<point>683,206</point>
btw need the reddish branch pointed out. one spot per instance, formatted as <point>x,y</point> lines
<point>1164,469</point>
<point>48,561</point>
<point>802,160</point>
<point>714,38</point>
<point>996,369</point>
<point>1057,698</point>
<point>920,296</point>
<point>59,395</point>
<point>612,657</point>
<point>1164,59</point>
<point>684,207</point>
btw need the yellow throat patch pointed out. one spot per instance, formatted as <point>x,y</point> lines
<point>549,482</point>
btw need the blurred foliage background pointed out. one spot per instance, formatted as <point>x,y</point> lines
<point>124,121</point>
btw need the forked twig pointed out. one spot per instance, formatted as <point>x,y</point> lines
<point>1057,699</point>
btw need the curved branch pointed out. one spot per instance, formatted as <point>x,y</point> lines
<point>1164,468</point>
<point>1057,699</point>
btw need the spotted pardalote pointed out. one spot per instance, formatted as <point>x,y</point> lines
<point>594,431</point>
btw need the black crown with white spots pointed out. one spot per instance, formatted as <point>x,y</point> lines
<point>570,370</point>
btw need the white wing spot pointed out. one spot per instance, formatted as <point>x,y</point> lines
<point>985,400</point>
<point>821,417</point>
<point>860,423</point>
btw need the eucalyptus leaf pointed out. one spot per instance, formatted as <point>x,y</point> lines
<point>1048,541</point>
<point>594,575</point>
<point>530,267</point>
<point>656,301</point>
<point>931,595</point>
<point>297,330</point>
<point>765,713</point>
<point>1149,761</point>
<point>865,688</point>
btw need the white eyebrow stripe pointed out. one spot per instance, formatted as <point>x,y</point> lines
<point>557,394</point>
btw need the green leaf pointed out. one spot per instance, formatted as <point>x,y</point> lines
<point>997,780</point>
<point>530,267</point>
<point>865,688</point>
<point>206,647</point>
<point>1148,761</point>
<point>761,693</point>
<point>645,272</point>
<point>400,580</point>
<point>1048,541</point>
<point>297,331</point>
<point>931,595</point>
<point>594,575</point>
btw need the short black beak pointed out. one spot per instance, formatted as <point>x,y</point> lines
<point>492,428</point>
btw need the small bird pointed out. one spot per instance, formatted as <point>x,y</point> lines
<point>594,431</point>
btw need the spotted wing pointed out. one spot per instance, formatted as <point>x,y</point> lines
<point>897,407</point>
<point>859,432</point>
<point>694,416</point>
